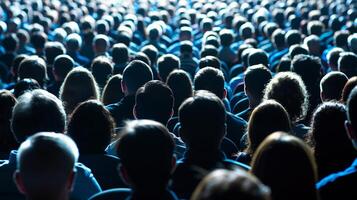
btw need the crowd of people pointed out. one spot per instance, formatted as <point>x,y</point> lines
<point>178,99</point>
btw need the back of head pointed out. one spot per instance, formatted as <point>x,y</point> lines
<point>230,185</point>
<point>332,57</point>
<point>112,91</point>
<point>101,43</point>
<point>210,79</point>
<point>166,64</point>
<point>154,101</point>
<point>146,172</point>
<point>33,67</point>
<point>202,119</point>
<point>37,111</point>
<point>73,42</point>
<point>226,37</point>
<point>152,52</point>
<point>102,69</point>
<point>331,86</point>
<point>42,156</point>
<point>347,63</point>
<point>258,56</point>
<point>38,40</point>
<point>25,85</point>
<point>255,79</point>
<point>308,67</point>
<point>120,53</point>
<point>352,109</point>
<point>62,65</point>
<point>10,43</point>
<point>52,50</point>
<point>91,127</point>
<point>286,164</point>
<point>135,75</point>
<point>209,61</point>
<point>347,89</point>
<point>292,37</point>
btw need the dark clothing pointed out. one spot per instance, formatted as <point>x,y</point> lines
<point>78,58</point>
<point>245,158</point>
<point>245,114</point>
<point>194,166</point>
<point>123,110</point>
<point>340,185</point>
<point>126,194</point>
<point>54,88</point>
<point>236,127</point>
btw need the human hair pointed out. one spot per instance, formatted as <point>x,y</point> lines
<point>268,117</point>
<point>37,111</point>
<point>202,119</point>
<point>73,42</point>
<point>286,165</point>
<point>210,79</point>
<point>180,83</point>
<point>350,84</point>
<point>101,43</point>
<point>258,56</point>
<point>331,86</point>
<point>25,85</point>
<point>154,101</point>
<point>246,30</point>
<point>153,138</point>
<point>120,53</point>
<point>135,75</point>
<point>10,42</point>
<point>289,90</point>
<point>226,37</point>
<point>186,47</point>
<point>91,127</point>
<point>297,49</point>
<point>78,86</point>
<point>7,103</point>
<point>209,50</point>
<point>33,67</point>
<point>351,108</point>
<point>45,155</point>
<point>152,53</point>
<point>229,185</point>
<point>112,91</point>
<point>255,79</point>
<point>209,61</point>
<point>340,38</point>
<point>38,40</point>
<point>352,42</point>
<point>309,69</point>
<point>166,64</point>
<point>332,57</point>
<point>52,50</point>
<point>278,38</point>
<point>62,65</point>
<point>293,37</point>
<point>347,63</point>
<point>284,65</point>
<point>16,63</point>
<point>102,69</point>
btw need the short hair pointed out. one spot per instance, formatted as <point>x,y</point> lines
<point>7,103</point>
<point>226,37</point>
<point>282,162</point>
<point>120,53</point>
<point>340,38</point>
<point>10,42</point>
<point>210,79</point>
<point>152,52</point>
<point>331,85</point>
<point>292,37</point>
<point>296,49</point>
<point>91,127</point>
<point>350,84</point>
<point>142,57</point>
<point>255,79</point>
<point>37,111</point>
<point>101,42</point>
<point>73,42</point>
<point>136,74</point>
<point>209,50</point>
<point>315,28</point>
<point>78,86</point>
<point>225,184</point>
<point>102,69</point>
<point>38,40</point>
<point>333,55</point>
<point>46,155</point>
<point>154,101</point>
<point>166,64</point>
<point>246,30</point>
<point>62,65</point>
<point>52,50</point>
<point>347,63</point>
<point>16,64</point>
<point>25,85</point>
<point>278,38</point>
<point>209,61</point>
<point>289,90</point>
<point>308,67</point>
<point>352,42</point>
<point>202,119</point>
<point>258,56</point>
<point>186,47</point>
<point>33,67</point>
<point>112,91</point>
<point>351,107</point>
<point>151,137</point>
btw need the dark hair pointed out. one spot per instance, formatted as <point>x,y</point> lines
<point>7,140</point>
<point>210,79</point>
<point>341,38</point>
<point>309,68</point>
<point>136,74</point>
<point>332,84</point>
<point>258,56</point>
<point>153,138</point>
<point>209,61</point>
<point>37,111</point>
<point>142,57</point>
<point>351,108</point>
<point>278,38</point>
<point>166,64</point>
<point>255,79</point>
<point>33,67</point>
<point>296,49</point>
<point>286,164</point>
<point>120,53</point>
<point>152,53</point>
<point>347,63</point>
<point>154,101</point>
<point>38,40</point>
<point>25,85</point>
<point>347,89</point>
<point>292,37</point>
<point>186,47</point>
<point>209,50</point>
<point>16,64</point>
<point>62,65</point>
<point>91,127</point>
<point>332,57</point>
<point>52,50</point>
<point>284,65</point>
<point>10,43</point>
<point>102,69</point>
<point>112,91</point>
<point>226,37</point>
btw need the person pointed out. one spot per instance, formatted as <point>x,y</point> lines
<point>112,91</point>
<point>166,64</point>
<point>255,79</point>
<point>135,75</point>
<point>40,111</point>
<point>347,89</point>
<point>347,64</point>
<point>327,130</point>
<point>202,129</point>
<point>339,185</point>
<point>149,180</point>
<point>78,86</point>
<point>331,86</point>
<point>45,155</point>
<point>266,118</point>
<point>286,165</point>
<point>231,184</point>
<point>102,70</point>
<point>288,89</point>
<point>62,65</point>
<point>332,58</point>
<point>120,54</point>
<point>33,67</point>
<point>92,128</point>
<point>73,44</point>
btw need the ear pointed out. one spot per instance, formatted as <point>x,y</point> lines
<point>70,180</point>
<point>350,131</point>
<point>19,182</point>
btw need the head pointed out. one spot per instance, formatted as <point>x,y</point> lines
<point>210,79</point>
<point>73,42</point>
<point>16,64</point>
<point>352,42</point>
<point>296,49</point>
<point>152,53</point>
<point>45,155</point>
<point>331,86</point>
<point>120,53</point>
<point>91,127</point>
<point>258,56</point>
<point>62,65</point>
<point>209,61</point>
<point>289,90</point>
<point>293,37</point>
<point>38,41</point>
<point>313,44</point>
<point>52,50</point>
<point>24,86</point>
<point>100,44</point>
<point>351,122</point>
<point>229,185</point>
<point>154,101</point>
<point>112,91</point>
<point>332,58</point>
<point>33,67</point>
<point>78,86</point>
<point>278,39</point>
<point>347,63</point>
<point>286,164</point>
<point>186,48</point>
<point>255,79</point>
<point>309,69</point>
<point>166,64</point>
<point>226,37</point>
<point>135,75</point>
<point>154,171</point>
<point>351,83</point>
<point>10,43</point>
<point>37,111</point>
<point>341,39</point>
<point>315,28</point>
<point>7,103</point>
<point>102,70</point>
<point>202,119</point>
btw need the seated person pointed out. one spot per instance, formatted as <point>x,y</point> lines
<point>46,166</point>
<point>147,175</point>
<point>331,86</point>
